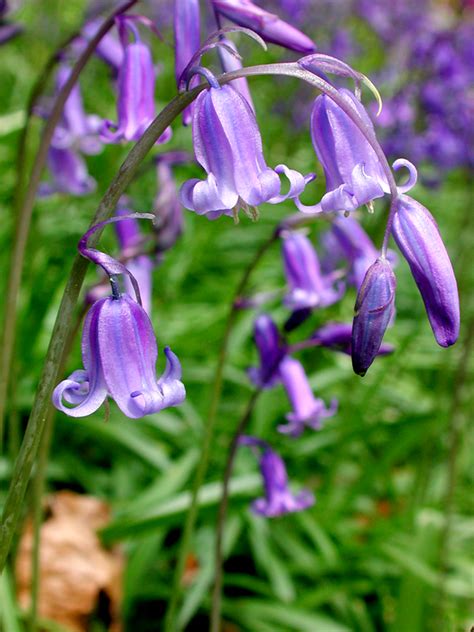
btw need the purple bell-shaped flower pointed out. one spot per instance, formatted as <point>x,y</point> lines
<point>119,353</point>
<point>354,175</point>
<point>136,89</point>
<point>278,499</point>
<point>228,145</point>
<point>308,286</point>
<point>308,410</point>
<point>270,350</point>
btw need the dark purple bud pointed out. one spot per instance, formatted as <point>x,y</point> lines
<point>268,25</point>
<point>308,287</point>
<point>270,350</point>
<point>417,235</point>
<point>119,353</point>
<point>373,312</point>
<point>228,145</point>
<point>338,337</point>
<point>187,40</point>
<point>307,409</point>
<point>278,499</point>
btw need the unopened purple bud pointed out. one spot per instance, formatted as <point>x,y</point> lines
<point>373,312</point>
<point>417,235</point>
<point>187,39</point>
<point>268,25</point>
<point>119,353</point>
<point>307,409</point>
<point>136,92</point>
<point>278,499</point>
<point>271,352</point>
<point>338,336</point>
<point>228,145</point>
<point>357,247</point>
<point>69,174</point>
<point>308,286</point>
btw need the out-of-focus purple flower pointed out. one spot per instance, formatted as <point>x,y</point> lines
<point>230,62</point>
<point>187,34</point>
<point>140,266</point>
<point>357,247</point>
<point>136,90</point>
<point>268,25</point>
<point>338,337</point>
<point>68,174</point>
<point>167,207</point>
<point>308,286</point>
<point>228,145</point>
<point>119,353</point>
<point>308,410</point>
<point>354,175</point>
<point>270,350</point>
<point>76,130</point>
<point>278,498</point>
<point>373,312</point>
<point>108,49</point>
<point>417,235</point>
<point>7,30</point>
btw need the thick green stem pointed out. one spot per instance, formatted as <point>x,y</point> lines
<point>25,213</point>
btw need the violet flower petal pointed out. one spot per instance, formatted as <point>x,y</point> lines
<point>268,25</point>
<point>416,234</point>
<point>270,350</point>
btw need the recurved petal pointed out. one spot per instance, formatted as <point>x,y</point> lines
<point>417,235</point>
<point>85,395</point>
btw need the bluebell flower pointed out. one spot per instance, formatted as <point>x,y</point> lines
<point>228,145</point>
<point>279,499</point>
<point>354,175</point>
<point>308,286</point>
<point>338,337</point>
<point>69,174</point>
<point>308,410</point>
<point>271,352</point>
<point>187,39</point>
<point>136,89</point>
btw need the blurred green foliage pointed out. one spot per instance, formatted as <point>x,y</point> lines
<point>388,545</point>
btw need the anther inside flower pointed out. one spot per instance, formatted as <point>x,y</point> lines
<point>228,145</point>
<point>119,353</point>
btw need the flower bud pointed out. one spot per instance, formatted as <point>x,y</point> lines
<point>417,235</point>
<point>373,312</point>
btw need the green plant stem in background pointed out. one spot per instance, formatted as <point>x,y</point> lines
<point>26,210</point>
<point>222,512</point>
<point>170,625</point>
